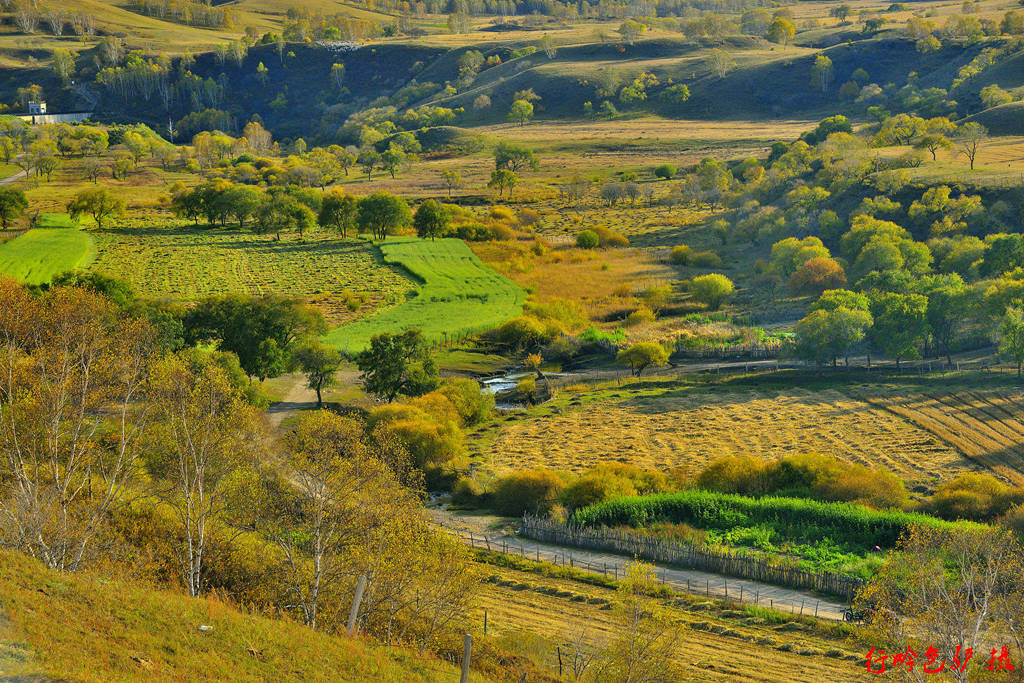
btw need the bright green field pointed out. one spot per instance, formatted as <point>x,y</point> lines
<point>55,246</point>
<point>186,263</point>
<point>458,294</point>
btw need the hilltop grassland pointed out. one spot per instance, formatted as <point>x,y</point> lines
<point>80,627</point>
<point>457,294</point>
<point>57,245</point>
<point>922,434</point>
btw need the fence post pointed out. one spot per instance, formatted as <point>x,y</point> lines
<point>816,608</point>
<point>467,651</point>
<point>485,621</point>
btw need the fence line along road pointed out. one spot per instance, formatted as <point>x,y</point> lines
<point>693,581</point>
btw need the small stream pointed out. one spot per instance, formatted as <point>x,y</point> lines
<point>506,383</point>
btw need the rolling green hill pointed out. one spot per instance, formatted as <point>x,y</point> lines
<point>55,246</point>
<point>458,294</point>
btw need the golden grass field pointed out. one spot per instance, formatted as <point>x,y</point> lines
<point>537,613</point>
<point>919,435</point>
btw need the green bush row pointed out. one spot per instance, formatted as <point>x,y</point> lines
<point>793,518</point>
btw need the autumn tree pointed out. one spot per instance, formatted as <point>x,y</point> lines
<point>501,180</point>
<point>72,379</point>
<point>781,31</point>
<point>318,363</point>
<point>641,356</point>
<point>521,111</point>
<point>452,179</point>
<point>206,435</point>
<point>321,507</point>
<point>338,212</point>
<point>712,290</point>
<point>900,324</point>
<point>1011,335</point>
<point>12,205</point>
<point>969,138</point>
<point>381,213</point>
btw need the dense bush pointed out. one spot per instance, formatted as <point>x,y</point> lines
<point>973,496</point>
<point>587,239</point>
<point>854,526</point>
<point>666,171</point>
<point>529,491</point>
<point>705,259</point>
<point>612,480</point>
<point>525,332</point>
<point>472,404</point>
<point>608,238</point>
<point>680,255</point>
<point>806,476</point>
<point>433,439</point>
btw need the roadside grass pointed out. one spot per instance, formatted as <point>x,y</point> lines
<point>79,627</point>
<point>57,245</point>
<point>458,294</point>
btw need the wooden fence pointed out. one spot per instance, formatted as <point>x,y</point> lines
<point>669,551</point>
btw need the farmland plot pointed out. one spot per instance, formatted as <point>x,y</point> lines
<point>459,294</point>
<point>188,263</point>
<point>691,426</point>
<point>57,245</point>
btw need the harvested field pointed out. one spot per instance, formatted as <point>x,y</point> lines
<point>688,426</point>
<point>985,424</point>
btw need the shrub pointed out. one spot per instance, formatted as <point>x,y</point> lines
<point>568,313</point>
<point>594,488</point>
<point>431,443</point>
<point>640,316</point>
<point>473,404</point>
<point>816,275</point>
<point>609,238</point>
<point>680,255</point>
<point>705,259</point>
<point>973,496</point>
<point>587,239</point>
<point>712,290</point>
<point>524,332</point>
<point>528,218</point>
<point>502,213</point>
<point>467,492</point>
<point>741,474</point>
<point>666,171</point>
<point>529,491</point>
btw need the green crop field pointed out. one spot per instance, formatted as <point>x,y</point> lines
<point>187,263</point>
<point>37,255</point>
<point>458,294</point>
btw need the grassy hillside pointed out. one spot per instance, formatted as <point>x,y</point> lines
<point>75,628</point>
<point>56,246</point>
<point>458,294</point>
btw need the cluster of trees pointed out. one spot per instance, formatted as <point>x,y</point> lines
<point>170,457</point>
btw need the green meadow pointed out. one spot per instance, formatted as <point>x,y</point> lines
<point>457,294</point>
<point>57,245</point>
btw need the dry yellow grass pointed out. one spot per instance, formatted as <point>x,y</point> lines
<point>690,426</point>
<point>740,650</point>
<point>985,425</point>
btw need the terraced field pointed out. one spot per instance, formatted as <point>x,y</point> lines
<point>36,255</point>
<point>458,294</point>
<point>187,263</point>
<point>689,426</point>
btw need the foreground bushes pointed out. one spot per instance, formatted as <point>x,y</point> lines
<point>857,527</point>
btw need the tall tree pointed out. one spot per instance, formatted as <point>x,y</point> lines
<point>319,363</point>
<point>72,379</point>
<point>206,435</point>
<point>1011,335</point>
<point>338,211</point>
<point>12,205</point>
<point>397,364</point>
<point>381,213</point>
<point>900,324</point>
<point>431,220</point>
<point>98,202</point>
